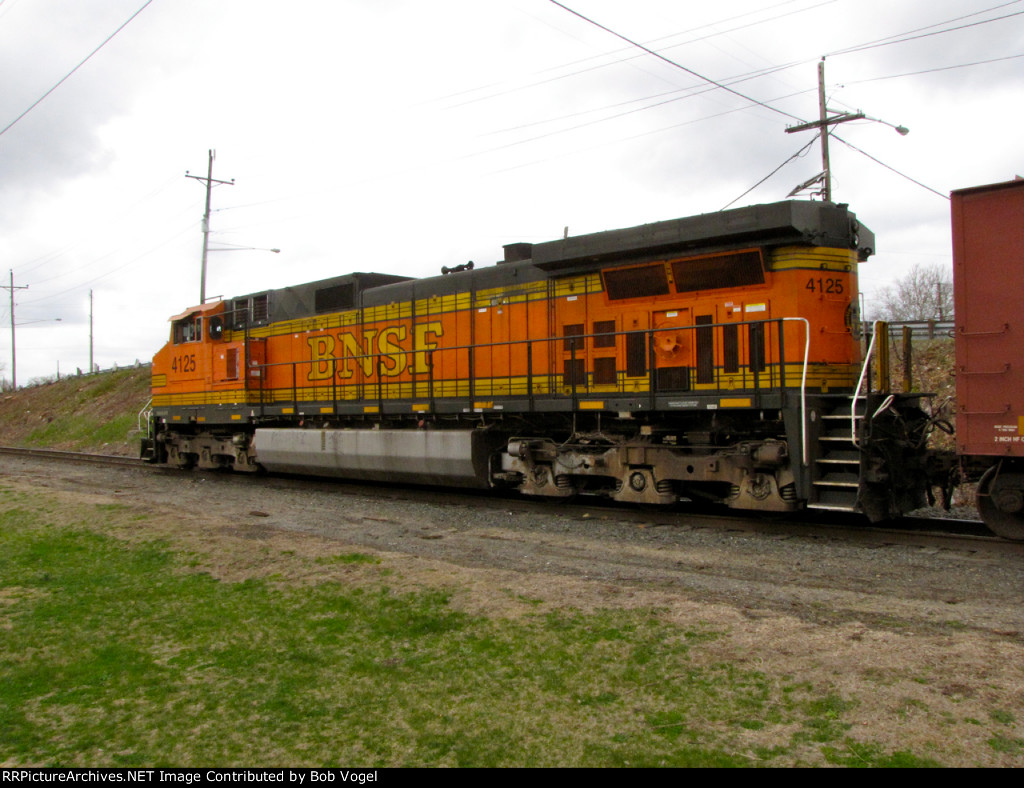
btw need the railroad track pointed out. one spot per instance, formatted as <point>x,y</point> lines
<point>948,533</point>
<point>70,456</point>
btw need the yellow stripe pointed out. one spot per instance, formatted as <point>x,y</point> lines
<point>738,402</point>
<point>817,258</point>
<point>829,376</point>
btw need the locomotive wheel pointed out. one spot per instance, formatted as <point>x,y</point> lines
<point>1001,502</point>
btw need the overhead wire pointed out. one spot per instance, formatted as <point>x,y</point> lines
<point>892,169</point>
<point>635,56</point>
<point>119,215</point>
<point>895,39</point>
<point>902,38</point>
<point>797,155</point>
<point>67,76</point>
<point>713,84</point>
<point>936,70</point>
<point>724,84</point>
<point>104,275</point>
<point>673,63</point>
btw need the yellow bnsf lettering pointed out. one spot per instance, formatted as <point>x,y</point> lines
<point>362,353</point>
<point>321,351</point>
<point>393,357</point>
<point>376,349</point>
<point>424,330</point>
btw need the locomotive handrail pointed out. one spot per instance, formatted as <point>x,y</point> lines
<point>373,384</point>
<point>144,414</point>
<point>803,385</point>
<point>860,383</point>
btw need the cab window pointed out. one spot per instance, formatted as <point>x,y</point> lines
<point>190,329</point>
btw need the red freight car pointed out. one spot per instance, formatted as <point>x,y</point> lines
<point>988,263</point>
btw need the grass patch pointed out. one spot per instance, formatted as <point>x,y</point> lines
<point>84,413</point>
<point>349,558</point>
<point>82,431</point>
<point>124,654</point>
<point>1002,716</point>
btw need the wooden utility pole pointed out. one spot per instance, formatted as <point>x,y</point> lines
<point>14,357</point>
<point>91,368</point>
<point>823,123</point>
<point>209,181</point>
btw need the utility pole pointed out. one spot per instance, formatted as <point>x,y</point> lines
<point>14,358</point>
<point>209,181</point>
<point>823,123</point>
<point>90,333</point>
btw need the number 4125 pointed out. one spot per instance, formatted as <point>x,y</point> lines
<point>184,363</point>
<point>819,285</point>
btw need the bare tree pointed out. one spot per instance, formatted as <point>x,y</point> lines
<point>924,293</point>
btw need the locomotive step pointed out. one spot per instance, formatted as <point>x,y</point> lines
<point>830,507</point>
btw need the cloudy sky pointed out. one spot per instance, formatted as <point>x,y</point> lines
<point>402,135</point>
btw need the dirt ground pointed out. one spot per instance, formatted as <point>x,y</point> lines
<point>926,643</point>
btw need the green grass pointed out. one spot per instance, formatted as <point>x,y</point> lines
<point>83,431</point>
<point>123,654</point>
<point>85,413</point>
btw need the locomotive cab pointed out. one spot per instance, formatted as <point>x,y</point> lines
<point>203,362</point>
<point>187,358</point>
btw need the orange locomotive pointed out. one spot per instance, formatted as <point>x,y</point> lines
<point>715,357</point>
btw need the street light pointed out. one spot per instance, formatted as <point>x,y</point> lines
<point>228,248</point>
<point>235,248</point>
<point>903,131</point>
<point>825,120</point>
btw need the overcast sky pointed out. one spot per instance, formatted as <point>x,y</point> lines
<point>400,136</point>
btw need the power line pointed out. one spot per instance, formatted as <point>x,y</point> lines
<point>889,40</point>
<point>132,261</point>
<point>674,64</point>
<point>621,60</point>
<point>72,71</point>
<point>796,155</point>
<point>99,227</point>
<point>891,169</point>
<point>935,70</point>
<point>893,39</point>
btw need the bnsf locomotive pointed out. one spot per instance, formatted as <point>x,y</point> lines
<point>712,358</point>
